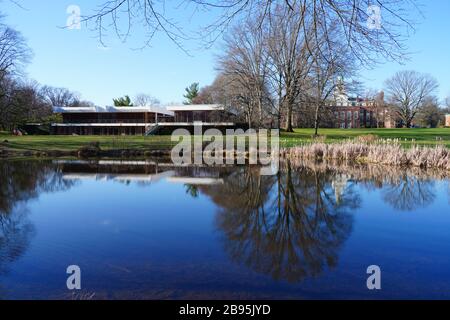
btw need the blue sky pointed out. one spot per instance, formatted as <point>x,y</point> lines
<point>75,59</point>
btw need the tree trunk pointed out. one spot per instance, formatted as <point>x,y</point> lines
<point>316,120</point>
<point>279,120</point>
<point>289,119</point>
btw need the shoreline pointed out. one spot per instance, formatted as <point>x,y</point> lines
<point>379,152</point>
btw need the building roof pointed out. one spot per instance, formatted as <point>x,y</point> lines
<point>111,109</point>
<point>196,107</point>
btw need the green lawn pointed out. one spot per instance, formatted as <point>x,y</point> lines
<point>66,143</point>
<point>406,136</point>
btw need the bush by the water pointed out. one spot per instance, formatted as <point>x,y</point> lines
<point>90,150</point>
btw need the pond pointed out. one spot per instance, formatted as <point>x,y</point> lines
<point>149,230</point>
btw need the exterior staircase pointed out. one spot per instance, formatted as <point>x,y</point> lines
<point>151,130</point>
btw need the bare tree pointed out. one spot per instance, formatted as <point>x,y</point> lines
<point>235,96</point>
<point>14,52</point>
<point>206,95</point>
<point>82,104</point>
<point>245,61</point>
<point>359,22</point>
<point>60,97</point>
<point>291,57</point>
<point>31,103</point>
<point>20,103</point>
<point>143,99</point>
<point>430,115</point>
<point>406,91</point>
<point>7,91</point>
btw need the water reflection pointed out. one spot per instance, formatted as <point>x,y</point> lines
<point>288,226</point>
<point>24,180</point>
<point>20,182</point>
<point>15,235</point>
<point>403,189</point>
<point>409,193</point>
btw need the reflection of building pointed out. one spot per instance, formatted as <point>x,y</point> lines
<point>142,120</point>
<point>195,181</point>
<point>339,184</point>
<point>144,171</point>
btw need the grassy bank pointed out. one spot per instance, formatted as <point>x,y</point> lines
<point>407,137</point>
<point>69,143</point>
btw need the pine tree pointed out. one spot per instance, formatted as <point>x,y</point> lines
<point>123,102</point>
<point>191,93</point>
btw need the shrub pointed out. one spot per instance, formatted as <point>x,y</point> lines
<point>90,150</point>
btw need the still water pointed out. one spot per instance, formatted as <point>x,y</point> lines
<point>148,230</point>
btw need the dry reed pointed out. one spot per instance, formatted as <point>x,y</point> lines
<point>383,152</point>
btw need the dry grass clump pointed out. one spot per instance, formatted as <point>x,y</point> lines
<point>367,138</point>
<point>384,153</point>
<point>318,138</point>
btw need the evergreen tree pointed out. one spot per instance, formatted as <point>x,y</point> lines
<point>123,102</point>
<point>191,93</point>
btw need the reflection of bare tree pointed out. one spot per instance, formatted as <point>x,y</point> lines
<point>20,182</point>
<point>24,180</point>
<point>448,191</point>
<point>402,188</point>
<point>289,226</point>
<point>409,193</point>
<point>15,234</point>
